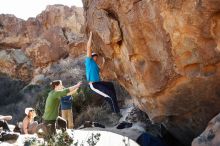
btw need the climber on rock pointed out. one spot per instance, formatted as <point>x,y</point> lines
<point>105,89</point>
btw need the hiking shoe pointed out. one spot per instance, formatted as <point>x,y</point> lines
<point>124,124</point>
<point>5,136</point>
<point>96,124</point>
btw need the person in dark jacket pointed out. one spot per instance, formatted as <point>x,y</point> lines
<point>66,110</point>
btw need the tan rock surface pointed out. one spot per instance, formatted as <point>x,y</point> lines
<point>165,53</point>
<point>37,51</point>
<point>62,16</point>
<point>54,34</point>
<point>50,47</point>
<point>12,32</point>
<point>16,64</point>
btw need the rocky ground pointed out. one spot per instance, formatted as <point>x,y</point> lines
<point>130,114</point>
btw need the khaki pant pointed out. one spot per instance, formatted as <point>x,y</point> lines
<point>68,116</point>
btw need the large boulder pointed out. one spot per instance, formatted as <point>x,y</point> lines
<point>48,48</point>
<point>60,29</point>
<point>16,64</point>
<point>33,29</point>
<point>165,53</point>
<point>62,16</point>
<point>55,33</point>
<point>12,32</point>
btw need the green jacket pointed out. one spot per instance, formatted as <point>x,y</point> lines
<point>51,111</point>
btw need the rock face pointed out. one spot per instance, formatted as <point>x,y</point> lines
<point>48,37</point>
<point>36,51</point>
<point>12,32</point>
<point>15,63</point>
<point>165,53</point>
<point>51,46</point>
<point>211,135</point>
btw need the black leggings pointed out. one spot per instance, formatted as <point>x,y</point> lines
<point>107,90</point>
<point>4,125</point>
<point>50,126</point>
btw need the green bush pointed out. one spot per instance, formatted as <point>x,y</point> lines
<point>62,139</point>
<point>41,101</point>
<point>84,98</point>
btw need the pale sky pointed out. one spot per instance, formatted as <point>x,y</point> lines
<point>30,8</point>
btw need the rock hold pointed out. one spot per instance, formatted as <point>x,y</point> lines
<point>107,28</point>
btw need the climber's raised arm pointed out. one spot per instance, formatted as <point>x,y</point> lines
<point>89,48</point>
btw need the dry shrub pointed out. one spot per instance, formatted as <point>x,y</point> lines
<point>97,114</point>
